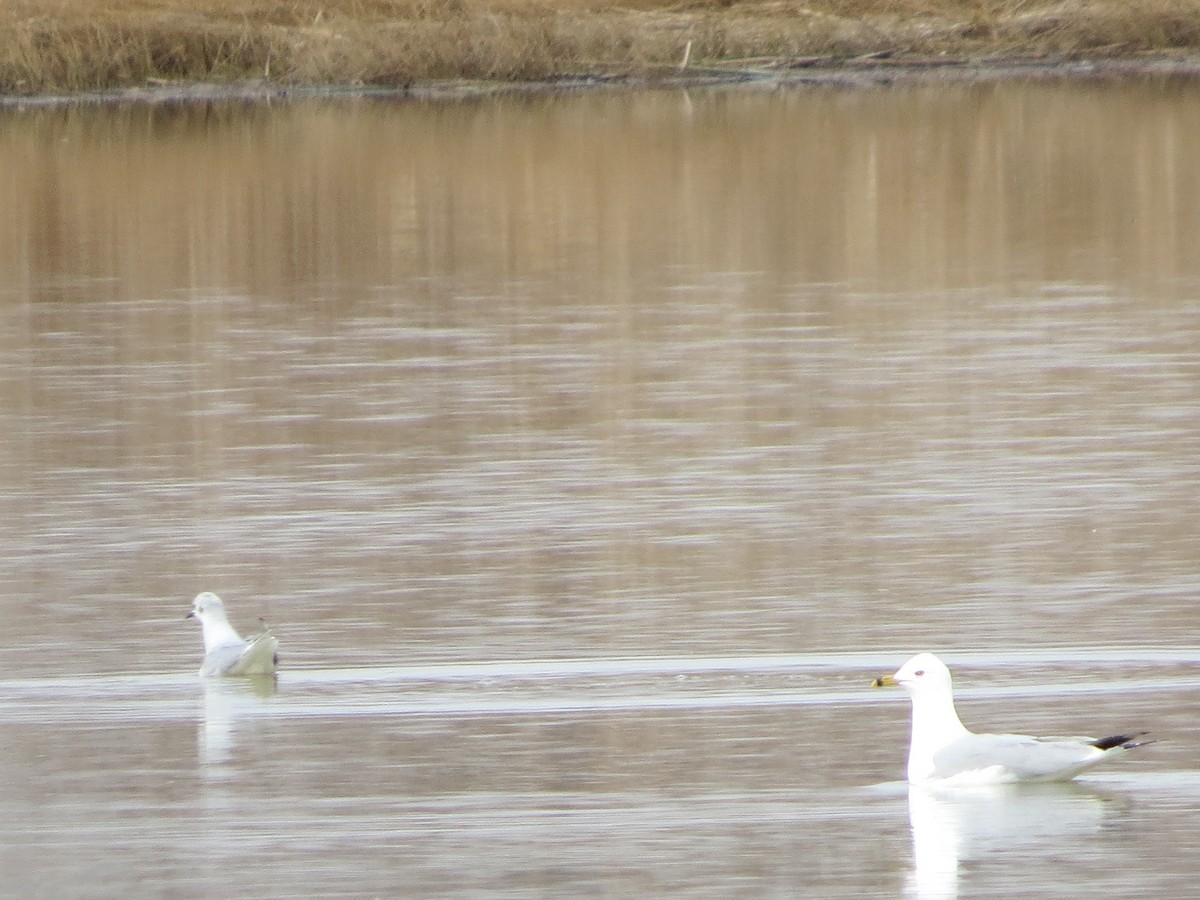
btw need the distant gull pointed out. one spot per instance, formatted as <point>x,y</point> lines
<point>225,653</point>
<point>943,751</point>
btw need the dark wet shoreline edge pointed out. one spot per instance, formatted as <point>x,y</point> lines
<point>853,75</point>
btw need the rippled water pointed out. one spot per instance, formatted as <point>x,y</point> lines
<point>589,455</point>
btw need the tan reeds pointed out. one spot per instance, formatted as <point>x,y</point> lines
<point>68,45</point>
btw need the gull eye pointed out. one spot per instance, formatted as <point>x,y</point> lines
<point>919,672</point>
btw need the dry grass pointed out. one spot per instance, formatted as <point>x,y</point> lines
<point>67,45</point>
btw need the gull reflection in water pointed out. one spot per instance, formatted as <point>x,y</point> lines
<point>227,703</point>
<point>953,826</point>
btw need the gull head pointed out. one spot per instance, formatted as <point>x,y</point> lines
<point>207,607</point>
<point>921,674</point>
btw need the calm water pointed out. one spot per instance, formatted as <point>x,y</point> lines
<point>589,455</point>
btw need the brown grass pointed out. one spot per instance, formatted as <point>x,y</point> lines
<point>71,45</point>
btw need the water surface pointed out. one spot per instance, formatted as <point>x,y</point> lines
<point>589,455</point>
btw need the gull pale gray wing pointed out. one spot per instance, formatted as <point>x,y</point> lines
<point>258,657</point>
<point>1019,756</point>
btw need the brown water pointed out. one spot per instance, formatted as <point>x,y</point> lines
<point>588,455</point>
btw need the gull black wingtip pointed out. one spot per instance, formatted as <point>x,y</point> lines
<point>1124,741</point>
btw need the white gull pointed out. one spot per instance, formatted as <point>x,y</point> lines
<point>225,652</point>
<point>943,751</point>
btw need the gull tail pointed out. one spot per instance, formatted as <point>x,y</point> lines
<point>1124,741</point>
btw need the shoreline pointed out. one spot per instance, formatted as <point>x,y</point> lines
<point>845,74</point>
<point>87,51</point>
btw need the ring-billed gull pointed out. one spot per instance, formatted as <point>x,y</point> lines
<point>225,653</point>
<point>943,751</point>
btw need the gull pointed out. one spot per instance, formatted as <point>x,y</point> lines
<point>943,751</point>
<point>225,653</point>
